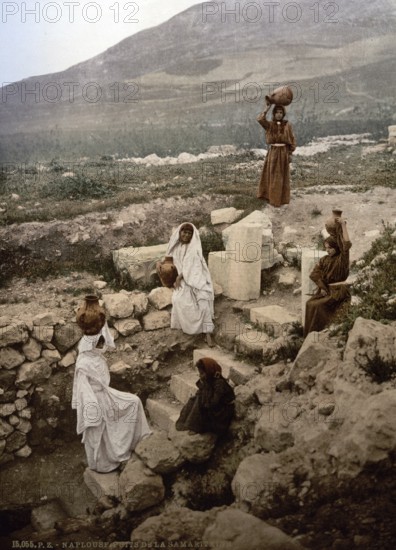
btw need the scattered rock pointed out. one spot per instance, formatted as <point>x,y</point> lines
<point>159,453</point>
<point>156,320</point>
<point>161,297</point>
<point>32,349</point>
<point>68,360</point>
<point>13,333</point>
<point>176,524</point>
<point>140,487</point>
<point>102,485</point>
<point>67,336</point>
<point>224,215</point>
<point>33,373</point>
<point>120,367</point>
<point>242,531</point>
<point>44,517</point>
<point>126,327</point>
<point>100,285</point>
<point>47,318</point>
<point>43,333</point>
<point>140,302</point>
<point>10,358</point>
<point>119,306</point>
<point>195,448</point>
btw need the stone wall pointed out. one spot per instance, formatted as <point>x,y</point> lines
<point>33,351</point>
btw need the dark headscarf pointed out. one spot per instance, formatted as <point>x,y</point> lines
<point>280,108</point>
<point>331,241</point>
<point>210,367</point>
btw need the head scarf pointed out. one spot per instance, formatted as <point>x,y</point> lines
<point>187,226</point>
<point>194,244</point>
<point>193,265</point>
<point>88,343</point>
<point>280,107</point>
<point>211,368</point>
<point>331,241</point>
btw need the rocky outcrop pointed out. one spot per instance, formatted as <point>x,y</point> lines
<point>217,527</point>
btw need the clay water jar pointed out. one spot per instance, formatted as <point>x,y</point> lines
<point>91,316</point>
<point>330,223</point>
<point>281,96</point>
<point>167,272</point>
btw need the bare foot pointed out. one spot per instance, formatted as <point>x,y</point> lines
<point>209,340</point>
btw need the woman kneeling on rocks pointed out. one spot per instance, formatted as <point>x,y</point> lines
<point>211,409</point>
<point>112,422</point>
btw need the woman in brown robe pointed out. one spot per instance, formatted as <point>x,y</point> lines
<point>275,179</point>
<point>211,409</point>
<point>333,268</point>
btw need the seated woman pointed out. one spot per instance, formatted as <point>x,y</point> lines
<point>333,268</point>
<point>211,409</point>
<point>192,300</point>
<point>112,422</point>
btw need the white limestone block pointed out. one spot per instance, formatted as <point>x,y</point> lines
<point>224,215</point>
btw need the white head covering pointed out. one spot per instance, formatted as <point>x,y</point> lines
<point>194,269</point>
<point>88,342</point>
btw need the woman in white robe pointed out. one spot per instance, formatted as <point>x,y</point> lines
<point>193,297</point>
<point>112,422</point>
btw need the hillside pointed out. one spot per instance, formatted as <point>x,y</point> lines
<point>152,93</point>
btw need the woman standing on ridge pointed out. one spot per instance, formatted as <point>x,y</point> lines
<point>275,179</point>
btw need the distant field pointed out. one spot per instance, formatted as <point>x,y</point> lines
<point>63,189</point>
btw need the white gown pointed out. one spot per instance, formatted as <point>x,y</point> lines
<point>192,303</point>
<point>112,422</point>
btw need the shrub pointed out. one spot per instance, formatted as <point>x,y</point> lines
<point>374,285</point>
<point>315,212</point>
<point>211,242</point>
<point>379,369</point>
<point>75,188</point>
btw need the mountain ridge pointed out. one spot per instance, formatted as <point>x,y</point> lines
<point>158,73</point>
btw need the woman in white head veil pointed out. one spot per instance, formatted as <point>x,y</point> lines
<point>111,422</point>
<point>193,297</point>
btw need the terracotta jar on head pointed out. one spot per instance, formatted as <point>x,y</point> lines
<point>281,96</point>
<point>91,316</point>
<point>331,224</point>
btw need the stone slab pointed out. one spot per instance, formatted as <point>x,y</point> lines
<point>162,413</point>
<point>272,319</point>
<point>183,385</point>
<point>139,262</point>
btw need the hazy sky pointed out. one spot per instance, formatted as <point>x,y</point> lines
<point>63,33</point>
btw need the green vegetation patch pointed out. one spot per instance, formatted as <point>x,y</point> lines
<point>75,188</point>
<point>375,287</point>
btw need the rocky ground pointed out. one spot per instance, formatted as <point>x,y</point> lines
<point>46,259</point>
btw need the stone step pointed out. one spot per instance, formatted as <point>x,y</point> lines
<point>274,320</point>
<point>162,413</point>
<point>251,342</point>
<point>183,386</point>
<point>237,371</point>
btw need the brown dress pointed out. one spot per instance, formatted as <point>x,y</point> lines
<point>320,310</point>
<point>211,409</point>
<point>275,180</point>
